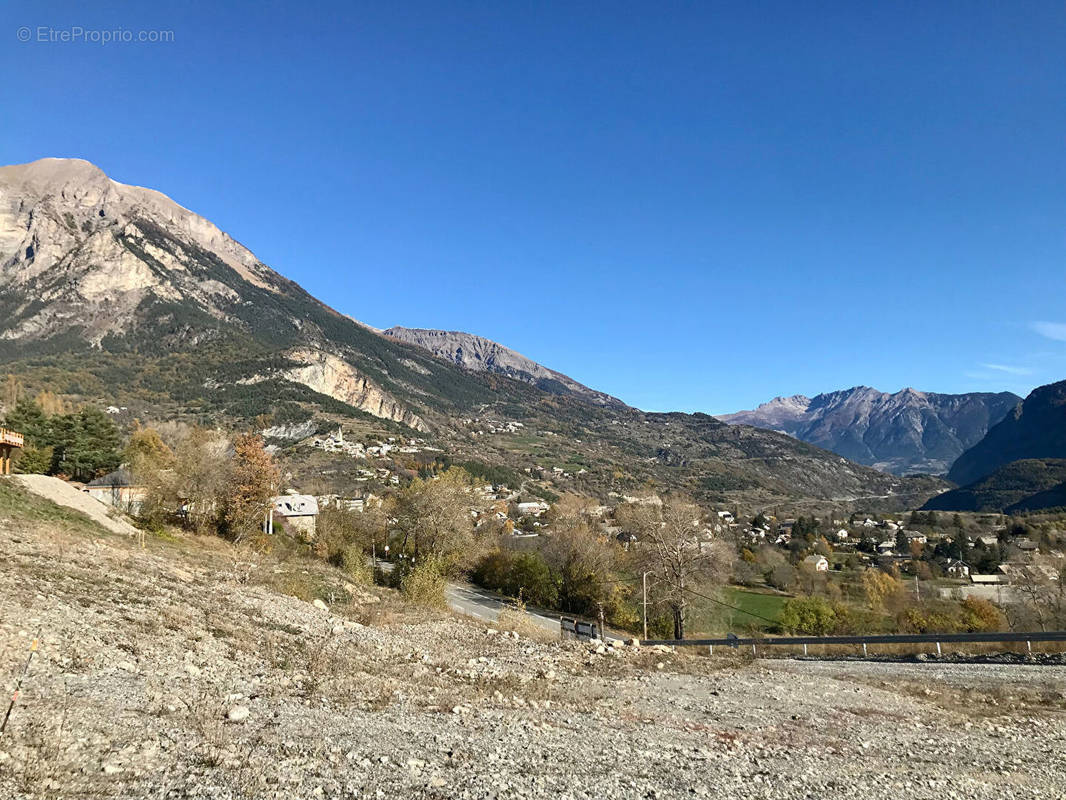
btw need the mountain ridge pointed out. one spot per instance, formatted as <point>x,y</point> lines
<point>481,354</point>
<point>904,432</point>
<point>1034,429</point>
<point>119,295</point>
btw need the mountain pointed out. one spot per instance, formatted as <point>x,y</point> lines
<point>904,433</point>
<point>1030,484</point>
<point>1034,429</point>
<point>484,355</point>
<point>117,295</point>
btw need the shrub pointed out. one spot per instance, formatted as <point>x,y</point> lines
<point>424,583</point>
<point>353,561</point>
<point>810,615</point>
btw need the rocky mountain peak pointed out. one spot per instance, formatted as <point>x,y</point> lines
<point>904,432</point>
<point>484,355</point>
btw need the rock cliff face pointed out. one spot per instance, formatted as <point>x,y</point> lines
<point>326,374</point>
<point>86,261</point>
<point>905,433</point>
<point>78,249</point>
<point>484,355</point>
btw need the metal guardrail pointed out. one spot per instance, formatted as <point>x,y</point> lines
<point>579,629</point>
<point>902,638</point>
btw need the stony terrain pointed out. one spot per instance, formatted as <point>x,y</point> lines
<point>196,669</point>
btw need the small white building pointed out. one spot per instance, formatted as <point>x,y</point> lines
<point>817,563</point>
<point>535,508</point>
<point>299,512</point>
<point>957,569</point>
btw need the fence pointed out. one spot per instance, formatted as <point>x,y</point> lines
<point>904,638</point>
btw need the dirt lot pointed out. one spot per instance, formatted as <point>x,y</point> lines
<point>194,669</point>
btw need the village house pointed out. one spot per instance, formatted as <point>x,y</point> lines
<point>118,489</point>
<point>957,569</point>
<point>535,508</point>
<point>299,511</point>
<point>816,562</point>
<point>915,537</point>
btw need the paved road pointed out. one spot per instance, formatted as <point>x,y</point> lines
<point>486,606</point>
<point>466,599</point>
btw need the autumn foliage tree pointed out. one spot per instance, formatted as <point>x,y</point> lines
<point>249,487</point>
<point>433,519</point>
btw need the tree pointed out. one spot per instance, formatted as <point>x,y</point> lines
<point>679,553</point>
<point>1039,597</point>
<point>814,616</point>
<point>86,444</point>
<point>199,477</point>
<point>584,561</point>
<point>433,517</point>
<point>150,463</point>
<point>250,486</point>
<point>883,591</point>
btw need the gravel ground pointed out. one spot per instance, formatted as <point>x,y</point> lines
<point>182,671</point>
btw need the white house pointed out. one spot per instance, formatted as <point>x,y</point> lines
<point>535,508</point>
<point>957,569</point>
<point>817,563</point>
<point>299,511</point>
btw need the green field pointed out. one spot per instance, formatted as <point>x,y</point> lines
<point>712,618</point>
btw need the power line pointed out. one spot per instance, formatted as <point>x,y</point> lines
<point>705,597</point>
<point>735,608</point>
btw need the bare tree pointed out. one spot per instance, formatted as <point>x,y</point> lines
<point>1037,596</point>
<point>679,551</point>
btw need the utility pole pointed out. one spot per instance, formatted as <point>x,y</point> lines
<point>645,580</point>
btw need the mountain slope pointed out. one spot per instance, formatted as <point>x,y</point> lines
<point>904,433</point>
<point>87,263</point>
<point>1025,485</point>
<point>484,355</point>
<point>1034,429</point>
<point>117,295</point>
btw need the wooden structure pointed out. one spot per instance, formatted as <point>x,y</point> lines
<point>9,440</point>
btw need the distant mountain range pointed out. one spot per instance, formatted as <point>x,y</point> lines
<point>484,355</point>
<point>115,294</point>
<point>905,433</point>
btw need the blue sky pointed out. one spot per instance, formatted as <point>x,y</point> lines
<point>693,206</point>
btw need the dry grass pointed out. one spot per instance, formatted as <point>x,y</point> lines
<point>517,621</point>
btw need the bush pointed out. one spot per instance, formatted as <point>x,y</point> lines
<point>524,575</point>
<point>353,561</point>
<point>425,583</point>
<point>815,616</point>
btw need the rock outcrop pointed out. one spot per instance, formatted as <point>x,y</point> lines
<point>484,355</point>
